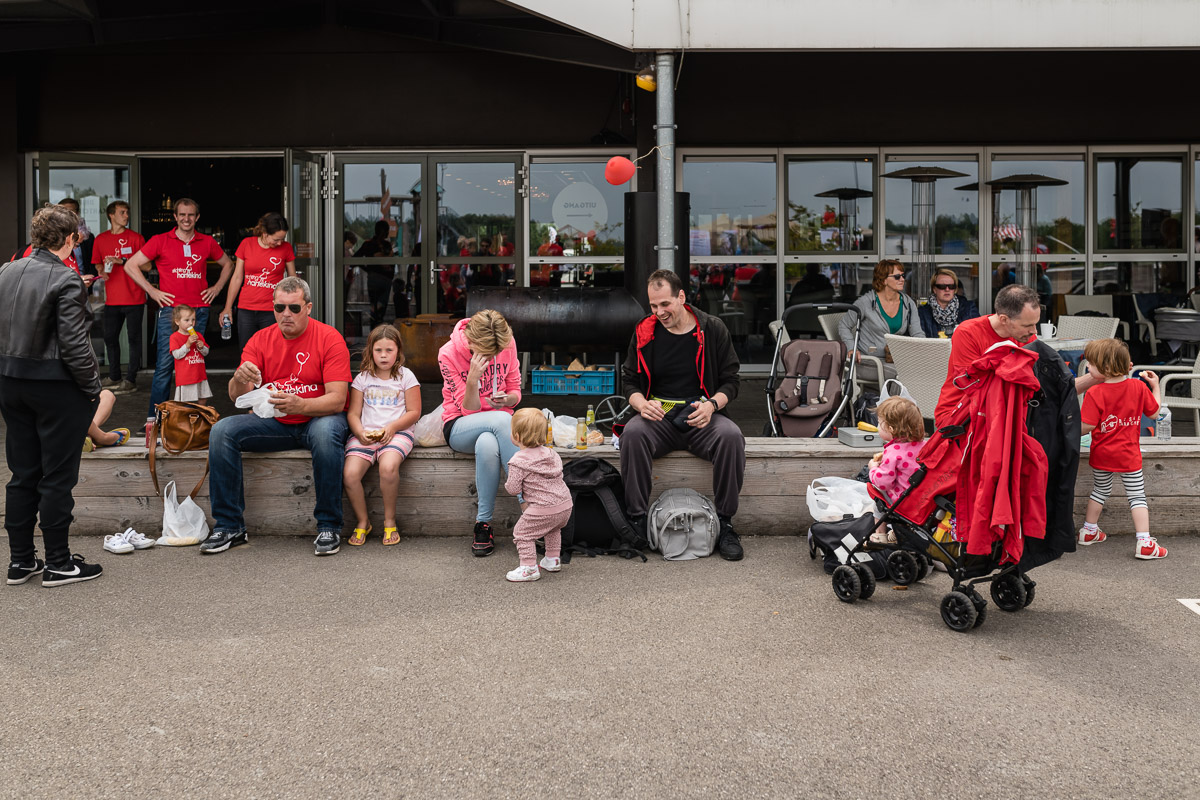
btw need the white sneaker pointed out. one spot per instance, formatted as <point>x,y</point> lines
<point>138,541</point>
<point>116,543</point>
<point>521,574</point>
<point>550,564</point>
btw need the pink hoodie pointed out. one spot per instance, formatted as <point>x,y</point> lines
<point>536,473</point>
<point>503,374</point>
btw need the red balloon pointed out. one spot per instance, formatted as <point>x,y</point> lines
<point>619,170</point>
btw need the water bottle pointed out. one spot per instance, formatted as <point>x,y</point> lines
<point>226,328</point>
<point>1162,429</point>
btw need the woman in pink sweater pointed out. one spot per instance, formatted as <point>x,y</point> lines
<point>903,432</point>
<point>481,385</point>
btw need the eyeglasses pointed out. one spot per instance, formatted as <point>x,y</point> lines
<point>899,276</point>
<point>944,286</point>
<point>292,307</point>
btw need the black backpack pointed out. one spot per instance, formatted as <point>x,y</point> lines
<point>598,524</point>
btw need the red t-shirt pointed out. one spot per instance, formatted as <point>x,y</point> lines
<point>1116,410</point>
<point>263,269</point>
<point>181,274</point>
<point>970,341</point>
<point>119,288</point>
<point>190,368</point>
<point>70,262</point>
<point>300,366</point>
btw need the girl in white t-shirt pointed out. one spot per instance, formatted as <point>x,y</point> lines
<point>385,402</point>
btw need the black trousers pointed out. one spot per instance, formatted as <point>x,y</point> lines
<point>47,421</point>
<point>131,317</point>
<point>251,322</point>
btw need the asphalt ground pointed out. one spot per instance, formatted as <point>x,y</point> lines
<point>418,671</point>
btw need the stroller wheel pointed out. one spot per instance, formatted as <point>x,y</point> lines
<point>1008,592</point>
<point>867,579</point>
<point>812,547</point>
<point>980,605</point>
<point>1030,586</point>
<point>958,612</point>
<point>846,584</point>
<point>902,567</point>
<point>923,569</point>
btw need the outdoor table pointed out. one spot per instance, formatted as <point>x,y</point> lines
<point>1064,344</point>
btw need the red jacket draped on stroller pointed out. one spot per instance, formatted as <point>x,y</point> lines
<point>1001,492</point>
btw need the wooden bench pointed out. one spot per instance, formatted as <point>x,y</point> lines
<point>437,487</point>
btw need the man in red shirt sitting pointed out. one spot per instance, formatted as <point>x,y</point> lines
<point>308,366</point>
<point>1017,312</point>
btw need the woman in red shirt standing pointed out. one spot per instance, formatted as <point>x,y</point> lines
<point>261,262</point>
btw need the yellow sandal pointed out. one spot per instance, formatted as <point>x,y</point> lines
<point>360,536</point>
<point>391,536</point>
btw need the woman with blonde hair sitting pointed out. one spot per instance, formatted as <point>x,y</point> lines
<point>481,385</point>
<point>946,309</point>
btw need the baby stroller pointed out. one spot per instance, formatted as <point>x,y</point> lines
<point>817,384</point>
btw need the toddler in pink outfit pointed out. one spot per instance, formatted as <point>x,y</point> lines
<point>903,432</point>
<point>535,476</point>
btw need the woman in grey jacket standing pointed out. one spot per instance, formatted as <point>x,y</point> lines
<point>885,309</point>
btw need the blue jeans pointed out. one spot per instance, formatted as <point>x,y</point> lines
<point>488,435</point>
<point>164,364</point>
<point>325,437</point>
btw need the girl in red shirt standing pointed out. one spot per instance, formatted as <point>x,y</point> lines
<point>1112,412</point>
<point>262,261</point>
<point>189,349</point>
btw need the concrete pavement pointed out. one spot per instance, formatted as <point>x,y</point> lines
<point>417,671</point>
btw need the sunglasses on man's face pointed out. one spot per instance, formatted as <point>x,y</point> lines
<point>943,286</point>
<point>292,307</point>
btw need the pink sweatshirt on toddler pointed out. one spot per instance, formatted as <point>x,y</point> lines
<point>898,464</point>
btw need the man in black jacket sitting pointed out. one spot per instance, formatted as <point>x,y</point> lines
<point>690,358</point>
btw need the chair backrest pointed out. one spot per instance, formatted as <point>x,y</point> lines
<point>773,329</point>
<point>829,324</point>
<point>805,321</point>
<point>1070,327</point>
<point>1089,302</point>
<point>921,365</point>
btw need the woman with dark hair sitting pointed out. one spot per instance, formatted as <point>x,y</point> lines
<point>946,309</point>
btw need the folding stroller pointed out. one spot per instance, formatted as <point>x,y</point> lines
<point>816,386</point>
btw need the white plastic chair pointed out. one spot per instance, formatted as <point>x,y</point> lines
<point>1173,374</point>
<point>1070,327</point>
<point>921,365</point>
<point>829,324</point>
<point>1145,326</point>
<point>1100,303</point>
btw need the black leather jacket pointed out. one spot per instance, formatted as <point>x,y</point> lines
<point>44,323</point>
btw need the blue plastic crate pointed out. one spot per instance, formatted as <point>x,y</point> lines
<point>556,380</point>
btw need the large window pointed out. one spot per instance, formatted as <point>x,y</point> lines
<point>830,205</point>
<point>576,223</point>
<point>1139,202</point>
<point>1060,209</point>
<point>956,207</point>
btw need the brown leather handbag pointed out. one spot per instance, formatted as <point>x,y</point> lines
<point>182,427</point>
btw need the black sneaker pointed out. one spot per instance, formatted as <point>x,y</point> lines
<point>327,543</point>
<point>19,573</point>
<point>74,571</point>
<point>639,529</point>
<point>220,541</point>
<point>729,544</point>
<point>484,544</point>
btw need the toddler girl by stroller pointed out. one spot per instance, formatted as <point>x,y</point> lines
<point>903,432</point>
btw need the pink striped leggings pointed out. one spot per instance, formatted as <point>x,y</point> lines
<point>531,527</point>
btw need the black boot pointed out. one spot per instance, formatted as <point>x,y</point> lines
<point>729,544</point>
<point>483,544</point>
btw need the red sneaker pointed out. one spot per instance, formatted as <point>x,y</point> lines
<point>1149,549</point>
<point>1086,538</point>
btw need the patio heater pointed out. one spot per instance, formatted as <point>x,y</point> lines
<point>847,198</point>
<point>923,218</point>
<point>1026,223</point>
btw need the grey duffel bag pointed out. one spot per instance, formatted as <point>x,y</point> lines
<point>682,525</point>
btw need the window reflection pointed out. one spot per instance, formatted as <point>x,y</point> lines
<point>831,204</point>
<point>744,297</point>
<point>1060,209</point>
<point>1148,284</point>
<point>956,210</point>
<point>1139,201</point>
<point>572,206</point>
<point>388,193</point>
<point>733,206</point>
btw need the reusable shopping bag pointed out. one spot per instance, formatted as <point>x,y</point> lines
<point>832,499</point>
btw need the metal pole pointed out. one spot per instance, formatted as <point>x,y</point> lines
<point>665,184</point>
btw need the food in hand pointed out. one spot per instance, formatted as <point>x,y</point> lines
<point>373,436</point>
<point>868,427</point>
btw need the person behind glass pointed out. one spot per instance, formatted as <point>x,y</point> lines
<point>124,302</point>
<point>946,308</point>
<point>49,389</point>
<point>308,366</point>
<point>261,262</point>
<point>535,477</point>
<point>188,348</point>
<point>481,385</point>
<point>885,309</point>
<point>181,256</point>
<point>379,276</point>
<point>678,354</point>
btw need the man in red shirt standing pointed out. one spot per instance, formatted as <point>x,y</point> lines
<point>308,365</point>
<point>181,256</point>
<point>124,302</point>
<point>1017,311</point>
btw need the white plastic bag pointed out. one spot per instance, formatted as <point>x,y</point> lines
<point>830,499</point>
<point>894,388</point>
<point>428,430</point>
<point>260,400</point>
<point>183,523</point>
<point>564,431</point>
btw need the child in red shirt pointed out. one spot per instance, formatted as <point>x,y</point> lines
<point>1112,412</point>
<point>189,349</point>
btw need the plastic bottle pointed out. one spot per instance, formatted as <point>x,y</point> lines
<point>226,328</point>
<point>580,434</point>
<point>1162,429</point>
<point>549,429</point>
<point>591,424</point>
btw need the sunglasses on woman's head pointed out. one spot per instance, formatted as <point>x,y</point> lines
<point>292,307</point>
<point>943,286</point>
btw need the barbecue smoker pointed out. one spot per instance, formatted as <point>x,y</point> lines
<point>591,319</point>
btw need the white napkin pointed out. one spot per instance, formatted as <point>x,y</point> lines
<point>260,400</point>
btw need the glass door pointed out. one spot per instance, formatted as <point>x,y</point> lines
<point>304,208</point>
<point>479,236</point>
